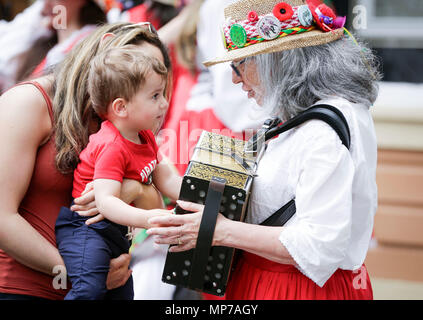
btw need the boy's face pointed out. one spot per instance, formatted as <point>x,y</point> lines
<point>147,109</point>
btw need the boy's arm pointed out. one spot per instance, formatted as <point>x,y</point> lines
<point>107,200</point>
<point>167,181</point>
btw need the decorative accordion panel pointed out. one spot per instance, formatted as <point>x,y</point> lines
<point>222,157</point>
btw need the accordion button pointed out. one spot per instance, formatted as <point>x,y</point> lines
<point>192,187</point>
<point>184,272</point>
<point>218,276</point>
<point>202,194</point>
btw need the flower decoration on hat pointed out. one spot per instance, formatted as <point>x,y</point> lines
<point>253,16</point>
<point>284,20</point>
<point>283,11</point>
<point>339,22</point>
<point>305,16</point>
<point>238,35</point>
<point>263,26</point>
<point>322,14</point>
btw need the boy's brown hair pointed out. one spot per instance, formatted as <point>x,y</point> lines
<point>119,73</point>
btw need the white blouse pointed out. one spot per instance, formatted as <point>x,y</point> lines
<point>334,189</point>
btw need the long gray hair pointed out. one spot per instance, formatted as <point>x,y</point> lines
<point>294,80</point>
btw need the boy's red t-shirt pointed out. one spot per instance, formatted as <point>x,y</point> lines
<point>109,155</point>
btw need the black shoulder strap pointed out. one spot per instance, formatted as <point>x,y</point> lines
<point>329,114</point>
<point>333,117</point>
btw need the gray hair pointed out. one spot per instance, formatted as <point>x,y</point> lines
<point>294,80</point>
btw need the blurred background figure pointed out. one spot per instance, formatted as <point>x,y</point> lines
<point>43,34</point>
<point>70,21</point>
<point>157,12</point>
<point>18,36</point>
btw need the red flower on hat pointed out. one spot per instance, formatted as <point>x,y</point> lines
<point>326,14</point>
<point>253,16</point>
<point>322,14</point>
<point>283,11</point>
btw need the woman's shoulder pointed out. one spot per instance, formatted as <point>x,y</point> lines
<point>25,105</point>
<point>30,96</point>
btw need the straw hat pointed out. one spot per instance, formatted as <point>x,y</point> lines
<point>254,27</point>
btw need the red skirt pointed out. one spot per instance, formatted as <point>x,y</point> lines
<point>256,278</point>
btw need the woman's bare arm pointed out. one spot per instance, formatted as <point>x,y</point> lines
<point>24,126</point>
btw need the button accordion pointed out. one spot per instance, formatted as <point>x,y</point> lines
<point>219,176</point>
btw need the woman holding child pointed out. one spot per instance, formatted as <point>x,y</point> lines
<point>42,140</point>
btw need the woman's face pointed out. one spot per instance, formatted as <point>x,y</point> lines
<point>249,77</point>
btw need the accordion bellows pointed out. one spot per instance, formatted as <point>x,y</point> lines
<point>215,157</point>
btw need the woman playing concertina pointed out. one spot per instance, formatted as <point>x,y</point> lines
<point>290,56</point>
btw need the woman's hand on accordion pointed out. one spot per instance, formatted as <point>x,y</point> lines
<point>180,230</point>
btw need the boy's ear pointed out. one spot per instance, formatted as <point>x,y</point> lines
<point>119,108</point>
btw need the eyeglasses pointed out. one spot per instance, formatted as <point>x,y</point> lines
<point>236,65</point>
<point>141,24</point>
